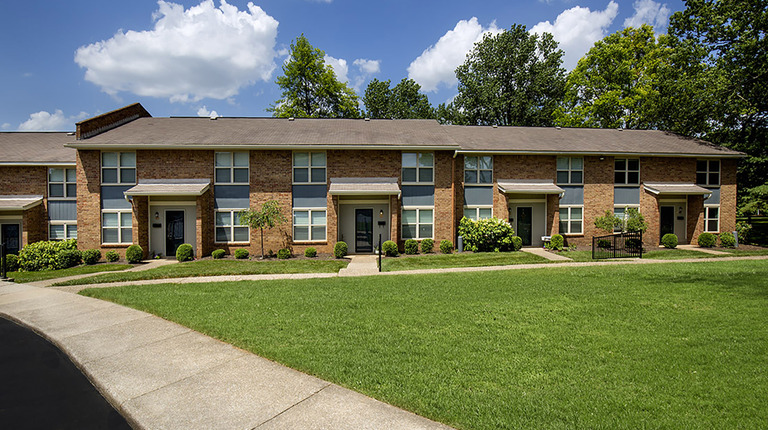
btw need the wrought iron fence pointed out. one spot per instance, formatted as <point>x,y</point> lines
<point>620,245</point>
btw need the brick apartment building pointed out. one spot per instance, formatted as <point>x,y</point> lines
<point>160,182</point>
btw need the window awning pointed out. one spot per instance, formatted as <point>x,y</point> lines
<point>676,188</point>
<point>529,186</point>
<point>364,187</point>
<point>169,187</point>
<point>19,203</point>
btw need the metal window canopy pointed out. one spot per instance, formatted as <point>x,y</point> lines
<point>364,187</point>
<point>529,186</point>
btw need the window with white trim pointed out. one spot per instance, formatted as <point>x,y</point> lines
<point>62,230</point>
<point>231,167</point>
<point>116,227</point>
<point>570,170</point>
<point>62,183</point>
<point>418,167</point>
<point>417,223</point>
<point>309,225</point>
<point>118,168</point>
<point>478,169</point>
<point>309,167</point>
<point>478,213</point>
<point>229,229</point>
<point>571,219</point>
<point>708,172</point>
<point>712,219</point>
<point>621,212</point>
<point>626,171</point>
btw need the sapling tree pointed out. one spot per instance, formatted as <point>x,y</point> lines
<point>267,217</point>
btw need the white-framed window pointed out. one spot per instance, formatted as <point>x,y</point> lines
<point>229,229</point>
<point>62,183</point>
<point>621,212</point>
<point>626,171</point>
<point>309,225</point>
<point>478,213</point>
<point>309,167</point>
<point>418,167</point>
<point>571,219</point>
<point>231,167</point>
<point>116,227</point>
<point>570,170</point>
<point>712,219</point>
<point>478,169</point>
<point>118,168</point>
<point>708,172</point>
<point>62,230</point>
<point>418,223</point>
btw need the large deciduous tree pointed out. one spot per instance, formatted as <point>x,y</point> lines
<point>310,88</point>
<point>404,101</point>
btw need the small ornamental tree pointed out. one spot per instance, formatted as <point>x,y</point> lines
<point>608,222</point>
<point>635,221</point>
<point>267,217</point>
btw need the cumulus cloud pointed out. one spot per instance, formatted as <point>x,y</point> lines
<point>203,111</point>
<point>368,67</point>
<point>46,121</point>
<point>577,29</point>
<point>437,63</point>
<point>339,66</point>
<point>649,12</point>
<point>190,54</point>
<point>5,126</point>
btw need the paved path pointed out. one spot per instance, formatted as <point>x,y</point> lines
<point>146,265</point>
<point>704,250</point>
<point>551,256</point>
<point>361,265</point>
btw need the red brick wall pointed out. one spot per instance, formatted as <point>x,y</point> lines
<point>520,167</point>
<point>89,200</point>
<point>28,180</point>
<point>443,196</point>
<point>271,179</point>
<point>728,195</point>
<point>667,169</point>
<point>598,197</point>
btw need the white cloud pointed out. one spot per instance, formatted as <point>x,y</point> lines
<point>649,12</point>
<point>437,63</point>
<point>203,111</point>
<point>577,29</point>
<point>339,66</point>
<point>46,121</point>
<point>5,126</point>
<point>191,54</point>
<point>368,67</point>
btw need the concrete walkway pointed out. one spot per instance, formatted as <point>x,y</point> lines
<point>704,250</point>
<point>145,265</point>
<point>361,265</point>
<point>551,256</point>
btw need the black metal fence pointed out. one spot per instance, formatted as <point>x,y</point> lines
<point>620,245</point>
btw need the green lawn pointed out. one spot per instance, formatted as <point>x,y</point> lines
<point>216,268</point>
<point>464,259</point>
<point>650,346</point>
<point>22,277</point>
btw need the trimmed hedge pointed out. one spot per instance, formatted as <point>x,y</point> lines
<point>390,249</point>
<point>427,246</point>
<point>727,240</point>
<point>11,262</point>
<point>310,253</point>
<point>46,255</point>
<point>134,254</point>
<point>446,246</point>
<point>340,249</point>
<point>556,243</point>
<point>411,247</point>
<point>241,254</point>
<point>112,256</point>
<point>218,254</point>
<point>91,256</point>
<point>517,243</point>
<point>485,235</point>
<point>185,252</point>
<point>669,240</point>
<point>284,254</point>
<point>707,240</point>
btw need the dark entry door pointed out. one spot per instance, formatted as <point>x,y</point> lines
<point>363,230</point>
<point>524,224</point>
<point>667,220</point>
<point>10,235</point>
<point>174,231</point>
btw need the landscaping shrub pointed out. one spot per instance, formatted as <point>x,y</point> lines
<point>284,254</point>
<point>310,253</point>
<point>633,244</point>
<point>340,249</point>
<point>218,254</point>
<point>427,245</point>
<point>112,256</point>
<point>517,243</point>
<point>44,255</point>
<point>603,243</point>
<point>490,234</point>
<point>389,248</point>
<point>134,254</point>
<point>241,254</point>
<point>707,240</point>
<point>669,240</point>
<point>68,258</point>
<point>91,256</point>
<point>556,243</point>
<point>411,247</point>
<point>743,229</point>
<point>446,246</point>
<point>727,240</point>
<point>11,262</point>
<point>635,221</point>
<point>184,252</point>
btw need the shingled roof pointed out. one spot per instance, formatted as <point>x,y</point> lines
<point>24,148</point>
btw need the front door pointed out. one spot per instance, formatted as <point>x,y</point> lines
<point>174,231</point>
<point>363,230</point>
<point>525,224</point>
<point>10,235</point>
<point>667,220</point>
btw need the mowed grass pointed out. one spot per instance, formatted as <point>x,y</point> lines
<point>216,268</point>
<point>651,346</point>
<point>23,277</point>
<point>464,259</point>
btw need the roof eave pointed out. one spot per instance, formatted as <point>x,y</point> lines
<point>599,153</point>
<point>240,147</point>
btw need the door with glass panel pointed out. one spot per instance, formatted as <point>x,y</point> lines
<point>525,224</point>
<point>9,233</point>
<point>174,231</point>
<point>363,230</point>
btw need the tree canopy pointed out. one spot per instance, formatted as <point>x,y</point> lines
<point>401,102</point>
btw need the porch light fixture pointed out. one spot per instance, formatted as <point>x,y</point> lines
<point>381,213</point>
<point>157,216</point>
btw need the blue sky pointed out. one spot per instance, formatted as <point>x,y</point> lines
<point>61,62</point>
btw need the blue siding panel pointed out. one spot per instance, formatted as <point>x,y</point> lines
<point>574,195</point>
<point>310,196</point>
<point>714,199</point>
<point>475,196</point>
<point>62,210</point>
<point>626,196</point>
<point>418,195</point>
<point>112,197</point>
<point>231,196</point>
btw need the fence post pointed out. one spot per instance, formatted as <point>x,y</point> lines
<point>2,261</point>
<point>379,252</point>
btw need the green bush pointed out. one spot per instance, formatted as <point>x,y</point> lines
<point>603,243</point>
<point>340,249</point>
<point>411,247</point>
<point>112,256</point>
<point>91,256</point>
<point>310,253</point>
<point>218,254</point>
<point>490,234</point>
<point>11,262</point>
<point>241,254</point>
<point>185,252</point>
<point>517,243</point>
<point>284,254</point>
<point>389,248</point>
<point>134,254</point>
<point>707,240</point>
<point>635,221</point>
<point>446,246</point>
<point>669,240</point>
<point>427,246</point>
<point>727,240</point>
<point>68,258</point>
<point>633,244</point>
<point>556,243</point>
<point>44,255</point>
<point>743,229</point>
